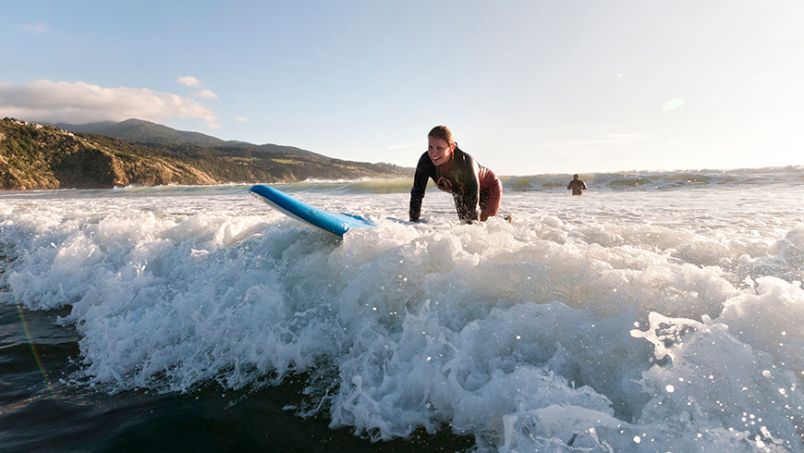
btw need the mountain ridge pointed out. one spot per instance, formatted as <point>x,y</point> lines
<point>143,131</point>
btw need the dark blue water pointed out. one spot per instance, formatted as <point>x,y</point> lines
<point>44,409</point>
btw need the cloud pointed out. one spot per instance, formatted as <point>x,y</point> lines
<point>189,81</point>
<point>81,102</point>
<point>206,94</point>
<point>673,104</point>
<point>193,82</point>
<point>36,29</point>
<point>241,119</point>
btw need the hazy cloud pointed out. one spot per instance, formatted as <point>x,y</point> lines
<point>673,104</point>
<point>36,29</point>
<point>206,94</point>
<point>241,119</point>
<point>189,81</point>
<point>81,102</point>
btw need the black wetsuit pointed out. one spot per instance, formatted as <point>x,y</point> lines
<point>467,181</point>
<point>577,186</point>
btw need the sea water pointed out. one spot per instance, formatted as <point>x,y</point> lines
<point>654,313</point>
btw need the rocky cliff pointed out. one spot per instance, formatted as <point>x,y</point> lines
<point>35,156</point>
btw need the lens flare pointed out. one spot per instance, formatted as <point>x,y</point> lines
<point>37,358</point>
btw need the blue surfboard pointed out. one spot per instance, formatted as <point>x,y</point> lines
<point>334,223</point>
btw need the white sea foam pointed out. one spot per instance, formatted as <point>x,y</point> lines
<point>638,321</point>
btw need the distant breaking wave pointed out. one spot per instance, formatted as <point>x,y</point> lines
<point>597,182</point>
<point>627,181</point>
<point>656,180</point>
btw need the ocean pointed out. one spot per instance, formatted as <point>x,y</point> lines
<point>659,312</point>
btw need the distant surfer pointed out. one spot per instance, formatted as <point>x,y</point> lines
<point>476,189</point>
<point>577,186</point>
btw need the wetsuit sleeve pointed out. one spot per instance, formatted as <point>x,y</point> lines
<point>424,170</point>
<point>467,202</point>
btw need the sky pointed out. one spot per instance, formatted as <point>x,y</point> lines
<point>527,87</point>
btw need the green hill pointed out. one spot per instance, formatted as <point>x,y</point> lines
<point>35,156</point>
<point>139,131</point>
